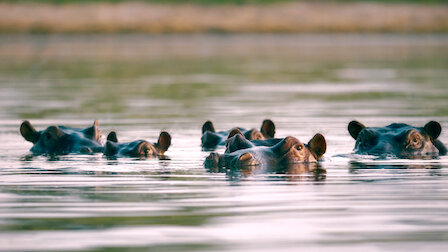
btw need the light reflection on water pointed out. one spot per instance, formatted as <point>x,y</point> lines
<point>90,202</point>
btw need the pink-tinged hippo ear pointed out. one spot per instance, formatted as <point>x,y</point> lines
<point>208,126</point>
<point>433,129</point>
<point>112,137</point>
<point>110,149</point>
<point>29,132</point>
<point>317,145</point>
<point>93,132</point>
<point>268,129</point>
<point>234,132</point>
<point>354,127</point>
<point>164,141</point>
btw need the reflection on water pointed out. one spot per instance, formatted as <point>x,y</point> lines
<point>139,85</point>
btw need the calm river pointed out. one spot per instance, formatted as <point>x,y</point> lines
<point>141,84</point>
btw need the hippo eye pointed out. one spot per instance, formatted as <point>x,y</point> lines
<point>415,141</point>
<point>299,147</point>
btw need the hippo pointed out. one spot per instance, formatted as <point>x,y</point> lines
<point>245,154</point>
<point>211,139</point>
<point>139,148</point>
<point>61,140</point>
<point>398,140</point>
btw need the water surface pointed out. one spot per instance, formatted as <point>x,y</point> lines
<point>141,84</point>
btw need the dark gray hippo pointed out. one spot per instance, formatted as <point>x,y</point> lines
<point>60,140</point>
<point>211,139</point>
<point>242,153</point>
<point>139,148</point>
<point>398,139</point>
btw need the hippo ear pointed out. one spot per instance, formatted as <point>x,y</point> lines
<point>268,129</point>
<point>112,137</point>
<point>110,149</point>
<point>208,126</point>
<point>433,129</point>
<point>164,141</point>
<point>29,132</point>
<point>234,132</point>
<point>354,127</point>
<point>93,132</point>
<point>317,145</point>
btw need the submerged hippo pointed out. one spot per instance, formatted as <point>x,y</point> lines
<point>139,148</point>
<point>398,139</point>
<point>242,153</point>
<point>57,140</point>
<point>211,139</point>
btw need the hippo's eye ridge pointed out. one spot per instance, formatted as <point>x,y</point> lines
<point>415,140</point>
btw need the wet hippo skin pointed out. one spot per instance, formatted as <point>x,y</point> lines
<point>398,139</point>
<point>139,148</point>
<point>286,152</point>
<point>211,139</point>
<point>57,140</point>
<point>238,143</point>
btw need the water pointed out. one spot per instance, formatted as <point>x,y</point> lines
<point>139,85</point>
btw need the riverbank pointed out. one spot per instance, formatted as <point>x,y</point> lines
<point>281,18</point>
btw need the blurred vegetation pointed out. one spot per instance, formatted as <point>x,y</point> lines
<point>214,2</point>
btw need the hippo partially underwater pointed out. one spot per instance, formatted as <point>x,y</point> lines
<point>242,153</point>
<point>399,140</point>
<point>211,139</point>
<point>139,148</point>
<point>57,140</point>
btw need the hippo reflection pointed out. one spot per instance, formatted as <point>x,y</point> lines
<point>211,139</point>
<point>398,139</point>
<point>304,172</point>
<point>139,148</point>
<point>56,140</point>
<point>245,154</point>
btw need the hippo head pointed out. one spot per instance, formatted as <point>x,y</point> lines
<point>60,139</point>
<point>292,151</point>
<point>140,148</point>
<point>211,139</point>
<point>287,152</point>
<point>398,139</point>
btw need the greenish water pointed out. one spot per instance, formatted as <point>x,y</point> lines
<point>141,84</point>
